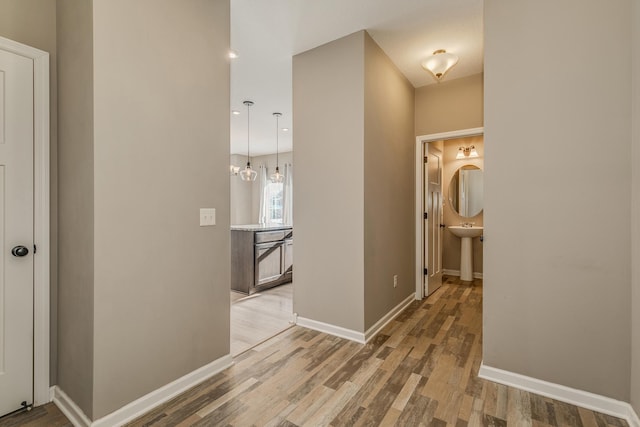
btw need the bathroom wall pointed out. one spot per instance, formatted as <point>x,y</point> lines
<point>451,244</point>
<point>245,196</point>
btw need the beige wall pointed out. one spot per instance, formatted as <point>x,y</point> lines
<point>451,243</point>
<point>161,153</point>
<point>245,196</point>
<point>354,227</point>
<point>450,105</point>
<point>328,198</point>
<point>389,146</point>
<point>557,209</point>
<point>635,212</point>
<point>76,201</point>
<point>33,22</point>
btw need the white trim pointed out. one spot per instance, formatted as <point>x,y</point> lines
<point>584,399</point>
<point>350,334</point>
<point>41,207</point>
<point>144,404</point>
<point>476,275</point>
<point>419,202</point>
<point>330,329</point>
<point>377,327</point>
<point>69,408</point>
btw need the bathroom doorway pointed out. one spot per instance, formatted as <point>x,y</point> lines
<point>456,154</point>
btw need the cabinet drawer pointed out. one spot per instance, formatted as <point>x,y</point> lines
<point>270,236</point>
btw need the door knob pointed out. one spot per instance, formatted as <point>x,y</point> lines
<point>19,251</point>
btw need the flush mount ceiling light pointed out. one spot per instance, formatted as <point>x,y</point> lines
<point>440,63</point>
<point>467,153</point>
<point>233,54</point>
<point>277,176</point>
<point>248,174</point>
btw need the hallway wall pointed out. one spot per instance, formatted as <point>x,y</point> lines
<point>450,105</point>
<point>635,213</point>
<point>557,301</point>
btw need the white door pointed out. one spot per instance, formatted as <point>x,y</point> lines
<point>16,231</point>
<point>433,219</point>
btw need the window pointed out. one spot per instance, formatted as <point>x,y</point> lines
<point>274,197</point>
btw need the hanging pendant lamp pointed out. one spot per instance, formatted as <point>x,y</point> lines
<point>248,174</point>
<point>277,176</point>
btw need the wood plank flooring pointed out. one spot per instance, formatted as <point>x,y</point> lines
<point>46,415</point>
<point>260,316</point>
<point>421,370</point>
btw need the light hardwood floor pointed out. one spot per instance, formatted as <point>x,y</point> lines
<point>421,370</point>
<point>260,316</point>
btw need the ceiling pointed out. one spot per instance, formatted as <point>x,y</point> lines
<point>266,34</point>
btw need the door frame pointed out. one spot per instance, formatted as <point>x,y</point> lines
<point>41,214</point>
<point>419,197</point>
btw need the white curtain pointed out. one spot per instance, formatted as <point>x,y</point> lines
<point>288,194</point>
<point>263,180</point>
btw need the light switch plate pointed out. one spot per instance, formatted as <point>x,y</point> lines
<point>207,217</point>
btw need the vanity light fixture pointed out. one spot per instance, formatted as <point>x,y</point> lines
<point>248,174</point>
<point>439,63</point>
<point>235,112</point>
<point>467,153</point>
<point>277,176</point>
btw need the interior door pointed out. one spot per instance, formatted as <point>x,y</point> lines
<point>433,219</point>
<point>16,231</point>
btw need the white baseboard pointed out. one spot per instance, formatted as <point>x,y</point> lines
<point>145,403</point>
<point>69,408</point>
<point>377,327</point>
<point>581,398</point>
<point>457,273</point>
<point>350,334</point>
<point>330,329</point>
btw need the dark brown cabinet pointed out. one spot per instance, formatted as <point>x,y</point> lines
<point>260,258</point>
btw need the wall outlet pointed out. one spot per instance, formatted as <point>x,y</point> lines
<point>207,217</point>
<point>395,280</point>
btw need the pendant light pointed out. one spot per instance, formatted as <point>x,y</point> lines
<point>277,176</point>
<point>248,174</point>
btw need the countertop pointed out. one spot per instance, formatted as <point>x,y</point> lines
<point>260,227</point>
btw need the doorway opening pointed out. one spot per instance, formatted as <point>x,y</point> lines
<point>261,290</point>
<point>438,250</point>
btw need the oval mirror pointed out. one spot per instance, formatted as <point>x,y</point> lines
<point>466,191</point>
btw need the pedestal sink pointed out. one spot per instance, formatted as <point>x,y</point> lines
<point>466,234</point>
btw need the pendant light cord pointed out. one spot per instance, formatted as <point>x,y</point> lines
<point>248,138</point>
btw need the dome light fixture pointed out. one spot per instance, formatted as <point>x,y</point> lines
<point>277,177</point>
<point>248,174</point>
<point>439,63</point>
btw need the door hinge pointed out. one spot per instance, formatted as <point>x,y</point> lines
<point>426,271</point>
<point>35,249</point>
<point>426,215</point>
<point>426,159</point>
